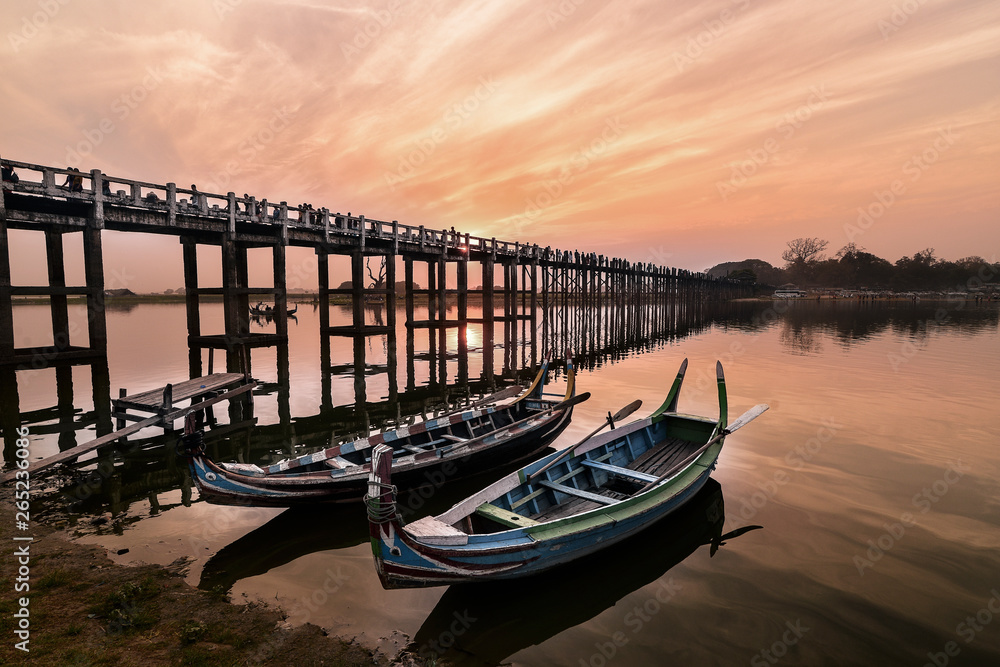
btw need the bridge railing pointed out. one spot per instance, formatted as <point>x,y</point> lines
<point>95,186</point>
<point>72,184</point>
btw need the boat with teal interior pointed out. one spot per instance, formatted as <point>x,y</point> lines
<point>561,507</point>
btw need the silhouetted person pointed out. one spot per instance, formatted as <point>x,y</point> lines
<point>74,181</point>
<point>9,177</point>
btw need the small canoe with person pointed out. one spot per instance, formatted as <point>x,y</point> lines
<point>559,508</point>
<point>497,431</point>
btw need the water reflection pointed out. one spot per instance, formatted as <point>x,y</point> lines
<point>147,466</point>
<point>300,531</point>
<point>484,624</point>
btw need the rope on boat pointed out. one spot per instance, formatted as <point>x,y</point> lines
<point>379,512</point>
<point>191,444</point>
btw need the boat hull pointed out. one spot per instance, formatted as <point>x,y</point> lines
<point>222,487</point>
<point>560,508</point>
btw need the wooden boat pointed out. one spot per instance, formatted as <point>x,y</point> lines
<point>292,311</point>
<point>556,509</point>
<point>498,606</point>
<point>260,310</point>
<point>427,454</point>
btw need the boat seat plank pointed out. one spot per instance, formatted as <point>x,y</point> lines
<point>569,508</point>
<point>454,438</point>
<point>619,471</point>
<point>572,473</point>
<point>579,493</point>
<point>432,531</point>
<point>504,517</point>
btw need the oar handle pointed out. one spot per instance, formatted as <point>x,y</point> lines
<point>611,419</point>
<point>740,422</point>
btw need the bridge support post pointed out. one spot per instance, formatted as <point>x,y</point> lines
<point>358,291</point>
<point>280,293</point>
<point>192,302</point>
<point>57,279</point>
<point>93,266</point>
<point>6,303</point>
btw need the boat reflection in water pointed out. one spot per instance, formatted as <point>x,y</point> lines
<point>502,627</point>
<point>294,533</point>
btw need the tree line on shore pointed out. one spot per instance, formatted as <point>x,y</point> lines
<point>852,267</point>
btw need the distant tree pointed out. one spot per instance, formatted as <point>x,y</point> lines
<point>922,271</point>
<point>802,255</point>
<point>859,268</point>
<point>804,250</point>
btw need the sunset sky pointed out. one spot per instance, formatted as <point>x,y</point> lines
<point>682,133</point>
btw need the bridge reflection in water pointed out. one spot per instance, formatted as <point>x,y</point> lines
<point>436,379</point>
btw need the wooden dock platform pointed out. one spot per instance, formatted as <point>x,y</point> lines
<point>160,401</point>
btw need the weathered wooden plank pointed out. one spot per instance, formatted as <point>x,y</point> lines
<point>79,450</point>
<point>504,517</point>
<point>619,471</point>
<point>579,493</point>
<point>153,399</point>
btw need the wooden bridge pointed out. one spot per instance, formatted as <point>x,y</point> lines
<point>58,201</point>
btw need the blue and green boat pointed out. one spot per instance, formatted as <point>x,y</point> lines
<point>561,507</point>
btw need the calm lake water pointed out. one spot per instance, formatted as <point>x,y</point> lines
<point>875,478</point>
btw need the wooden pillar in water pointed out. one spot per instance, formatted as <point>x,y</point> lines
<point>6,303</point>
<point>280,295</point>
<point>463,320</point>
<point>442,331</point>
<point>189,250</point>
<point>390,321</point>
<point>431,291</point>
<point>408,305</point>
<point>100,380</point>
<point>408,287</point>
<point>93,267</point>
<point>357,291</point>
<point>442,286</point>
<point>390,297</point>
<point>57,302</point>
<point>230,304</point>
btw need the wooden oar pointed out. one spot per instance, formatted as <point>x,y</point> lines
<point>610,421</point>
<point>501,395</point>
<point>741,421</point>
<point>509,392</point>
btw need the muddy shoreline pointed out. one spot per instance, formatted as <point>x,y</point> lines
<point>84,609</point>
